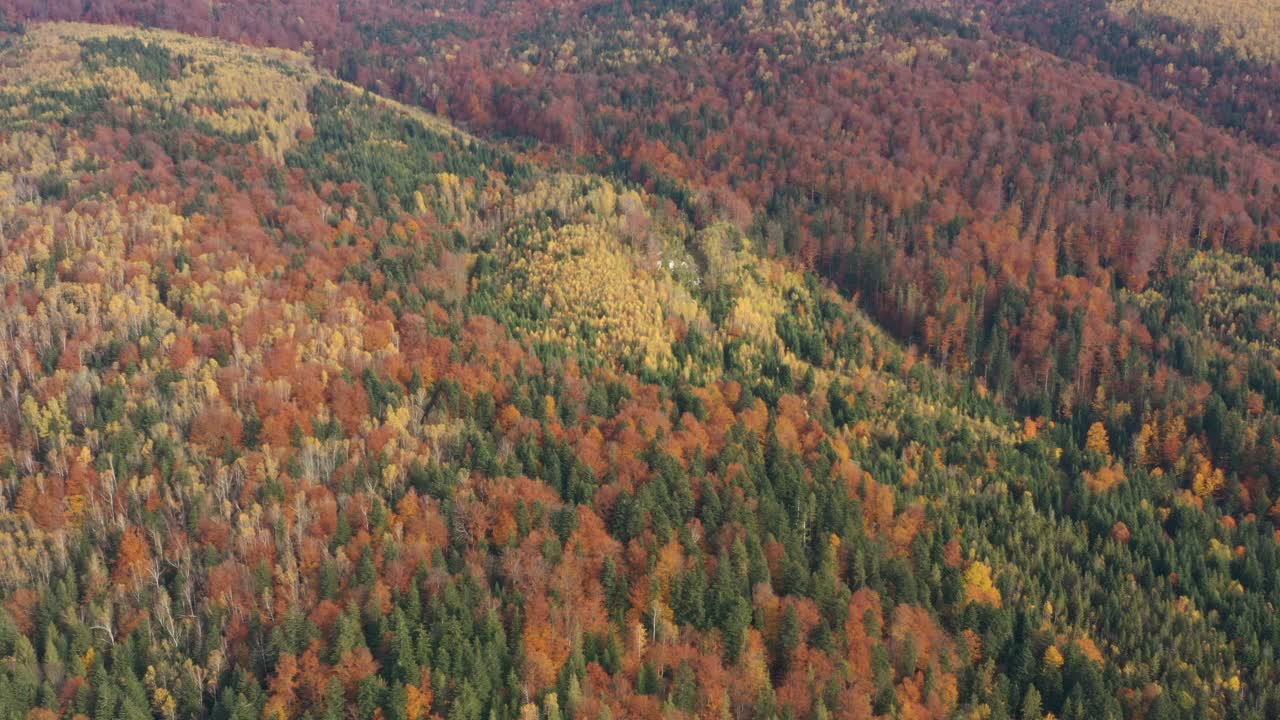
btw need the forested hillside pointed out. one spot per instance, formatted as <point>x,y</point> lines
<point>1022,218</point>
<point>1215,58</point>
<point>753,360</point>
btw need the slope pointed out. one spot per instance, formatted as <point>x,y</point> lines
<point>1217,59</point>
<point>1023,218</point>
<point>316,407</point>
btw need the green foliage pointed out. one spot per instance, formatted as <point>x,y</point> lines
<point>152,62</point>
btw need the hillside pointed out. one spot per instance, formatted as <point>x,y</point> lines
<point>1216,58</point>
<point>317,407</point>
<point>1016,188</point>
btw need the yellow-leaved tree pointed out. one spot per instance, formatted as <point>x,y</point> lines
<point>1098,442</point>
<point>1207,479</point>
<point>979,586</point>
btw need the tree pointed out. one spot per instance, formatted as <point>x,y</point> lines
<point>418,699</point>
<point>978,585</point>
<point>1097,441</point>
<point>133,558</point>
<point>1031,705</point>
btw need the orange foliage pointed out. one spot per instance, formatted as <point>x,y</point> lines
<point>419,698</point>
<point>1120,532</point>
<point>282,688</point>
<point>546,647</point>
<point>910,621</point>
<point>1089,648</point>
<point>355,666</point>
<point>1105,478</point>
<point>132,558</point>
<point>182,352</point>
<point>216,427</point>
<point>864,611</point>
<point>1098,441</point>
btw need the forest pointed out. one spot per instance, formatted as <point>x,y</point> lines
<point>593,359</point>
<point>912,156</point>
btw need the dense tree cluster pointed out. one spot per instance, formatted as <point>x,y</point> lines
<point>317,407</point>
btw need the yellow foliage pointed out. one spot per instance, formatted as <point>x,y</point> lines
<point>1207,479</point>
<point>1146,448</point>
<point>49,422</point>
<point>1053,657</point>
<point>761,300</point>
<point>235,90</point>
<point>593,291</point>
<point>1030,429</point>
<point>979,586</point>
<point>1218,551</point>
<point>1248,28</point>
<point>1098,442</point>
<point>164,703</point>
<point>398,418</point>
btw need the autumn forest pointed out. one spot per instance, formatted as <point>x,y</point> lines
<point>604,359</point>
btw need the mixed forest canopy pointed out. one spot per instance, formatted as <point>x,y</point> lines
<point>592,359</point>
<point>1021,216</point>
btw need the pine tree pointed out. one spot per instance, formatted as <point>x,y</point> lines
<point>1031,704</point>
